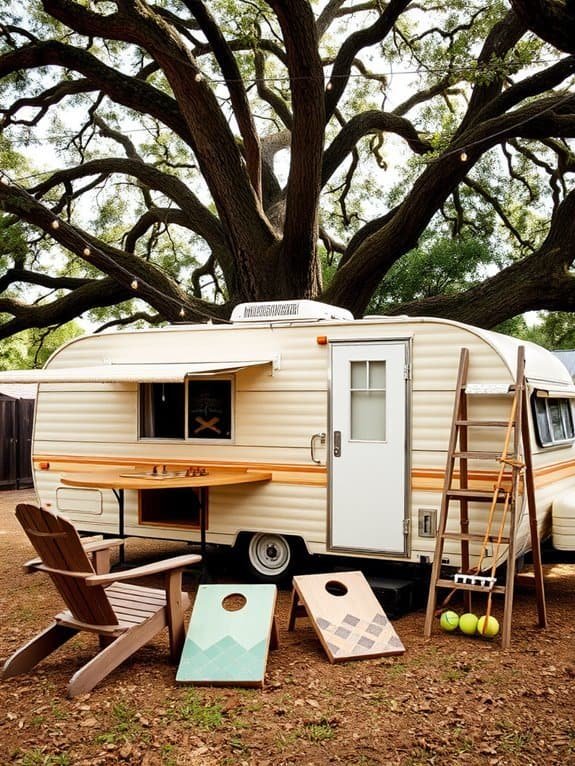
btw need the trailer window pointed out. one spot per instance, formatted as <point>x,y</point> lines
<point>210,409</point>
<point>553,420</point>
<point>199,409</point>
<point>162,410</point>
<point>368,401</point>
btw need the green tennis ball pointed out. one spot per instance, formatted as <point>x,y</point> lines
<point>490,629</point>
<point>449,621</point>
<point>468,623</point>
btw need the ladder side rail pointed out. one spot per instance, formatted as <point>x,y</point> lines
<point>447,481</point>
<point>510,577</point>
<point>463,502</point>
<point>532,511</point>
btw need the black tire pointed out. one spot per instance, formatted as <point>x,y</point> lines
<point>271,558</point>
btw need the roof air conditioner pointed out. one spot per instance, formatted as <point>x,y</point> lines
<point>282,311</point>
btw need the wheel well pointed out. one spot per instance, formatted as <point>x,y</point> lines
<point>243,538</point>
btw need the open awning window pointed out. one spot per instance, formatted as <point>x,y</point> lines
<point>131,373</point>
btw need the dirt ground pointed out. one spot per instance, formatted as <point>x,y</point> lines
<point>447,700</point>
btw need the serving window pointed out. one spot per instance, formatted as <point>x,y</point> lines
<point>553,418</point>
<point>199,409</point>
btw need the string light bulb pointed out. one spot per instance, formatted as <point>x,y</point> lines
<point>463,156</point>
<point>329,86</point>
<point>5,180</point>
<point>198,77</point>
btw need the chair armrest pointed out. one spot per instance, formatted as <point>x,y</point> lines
<point>37,565</point>
<point>176,562</point>
<point>99,545</point>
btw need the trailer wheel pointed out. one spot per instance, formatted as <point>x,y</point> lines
<point>271,558</point>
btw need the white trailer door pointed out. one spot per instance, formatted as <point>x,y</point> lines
<point>368,417</point>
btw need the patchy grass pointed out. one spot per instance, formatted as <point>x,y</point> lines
<point>126,728</point>
<point>194,711</point>
<point>38,757</point>
<point>320,731</point>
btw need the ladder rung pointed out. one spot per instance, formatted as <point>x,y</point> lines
<point>479,495</point>
<point>486,423</point>
<point>478,455</point>
<point>474,538</point>
<point>443,583</point>
<point>488,389</point>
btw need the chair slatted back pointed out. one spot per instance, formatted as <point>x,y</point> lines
<point>58,544</point>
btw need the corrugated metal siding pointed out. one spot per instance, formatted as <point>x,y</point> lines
<point>303,510</point>
<point>84,513</point>
<point>86,416</point>
<point>285,418</point>
<point>253,509</point>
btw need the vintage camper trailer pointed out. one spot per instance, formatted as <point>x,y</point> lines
<point>346,422</point>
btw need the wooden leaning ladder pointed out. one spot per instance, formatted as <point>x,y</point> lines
<point>515,462</point>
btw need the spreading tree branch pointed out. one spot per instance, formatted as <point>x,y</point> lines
<point>552,20</point>
<point>539,281</point>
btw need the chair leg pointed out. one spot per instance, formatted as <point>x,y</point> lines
<point>113,655</point>
<point>177,602</point>
<point>29,655</point>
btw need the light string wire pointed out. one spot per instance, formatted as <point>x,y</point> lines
<point>88,248</point>
<point>372,76</point>
<point>462,150</point>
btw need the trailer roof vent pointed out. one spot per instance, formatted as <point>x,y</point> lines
<point>282,311</point>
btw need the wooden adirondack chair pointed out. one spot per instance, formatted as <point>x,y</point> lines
<point>124,616</point>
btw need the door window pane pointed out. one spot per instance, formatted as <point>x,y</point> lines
<point>368,401</point>
<point>358,375</point>
<point>368,416</point>
<point>377,375</point>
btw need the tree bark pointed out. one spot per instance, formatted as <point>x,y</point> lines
<point>541,281</point>
<point>551,20</point>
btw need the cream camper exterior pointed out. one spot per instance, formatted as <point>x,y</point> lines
<point>351,418</point>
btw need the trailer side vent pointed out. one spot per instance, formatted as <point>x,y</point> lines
<point>279,311</point>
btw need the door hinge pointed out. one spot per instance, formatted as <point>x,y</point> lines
<point>406,526</point>
<point>407,372</point>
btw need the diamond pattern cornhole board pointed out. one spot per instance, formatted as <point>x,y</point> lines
<point>229,647</point>
<point>345,614</point>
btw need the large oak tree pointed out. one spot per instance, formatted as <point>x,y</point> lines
<point>207,153</point>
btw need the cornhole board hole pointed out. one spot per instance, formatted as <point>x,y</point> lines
<point>345,614</point>
<point>231,630</point>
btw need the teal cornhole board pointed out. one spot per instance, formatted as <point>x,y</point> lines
<point>229,647</point>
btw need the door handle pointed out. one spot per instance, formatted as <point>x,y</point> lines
<point>321,438</point>
<point>337,443</point>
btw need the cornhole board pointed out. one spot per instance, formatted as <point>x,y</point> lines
<point>345,614</point>
<point>229,647</point>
